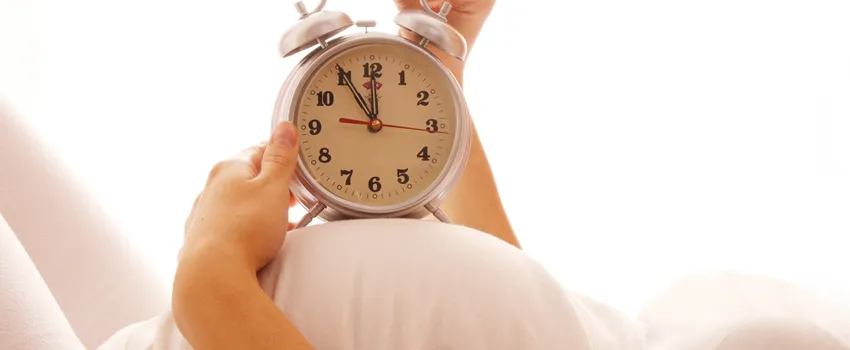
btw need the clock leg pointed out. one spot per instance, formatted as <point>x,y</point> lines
<point>439,214</point>
<point>311,214</point>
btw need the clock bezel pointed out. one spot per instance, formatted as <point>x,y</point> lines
<point>306,189</point>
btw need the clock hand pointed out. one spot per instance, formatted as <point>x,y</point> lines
<point>382,125</point>
<point>372,84</point>
<point>359,98</point>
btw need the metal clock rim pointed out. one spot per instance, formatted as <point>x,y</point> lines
<point>309,192</point>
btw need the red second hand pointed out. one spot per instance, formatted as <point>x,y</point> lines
<point>360,122</point>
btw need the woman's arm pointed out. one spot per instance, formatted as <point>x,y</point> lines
<point>219,305</point>
<point>475,200</point>
<point>234,229</point>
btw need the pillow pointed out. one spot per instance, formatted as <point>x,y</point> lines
<point>410,284</point>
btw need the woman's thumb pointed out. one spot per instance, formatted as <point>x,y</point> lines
<point>281,154</point>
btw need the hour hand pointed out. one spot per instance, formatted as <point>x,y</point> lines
<point>357,96</point>
<point>372,86</point>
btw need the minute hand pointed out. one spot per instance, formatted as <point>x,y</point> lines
<point>359,98</point>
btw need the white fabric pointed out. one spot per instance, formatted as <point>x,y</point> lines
<point>30,319</point>
<point>407,284</point>
<point>335,284</point>
<point>734,311</point>
<point>96,276</point>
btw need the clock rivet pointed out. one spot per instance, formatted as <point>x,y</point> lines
<point>376,125</point>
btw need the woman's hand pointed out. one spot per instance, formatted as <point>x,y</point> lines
<point>467,16</point>
<point>237,226</point>
<point>243,210</point>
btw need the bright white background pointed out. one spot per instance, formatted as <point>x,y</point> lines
<point>633,141</point>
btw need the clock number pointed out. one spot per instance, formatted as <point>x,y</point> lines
<point>401,78</point>
<point>324,155</point>
<point>423,98</point>
<point>432,125</point>
<point>315,127</point>
<point>375,184</point>
<point>343,76</point>
<point>326,98</point>
<point>423,153</point>
<point>403,178</point>
<point>373,69</point>
<point>347,173</point>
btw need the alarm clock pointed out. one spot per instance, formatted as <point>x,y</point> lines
<point>383,123</point>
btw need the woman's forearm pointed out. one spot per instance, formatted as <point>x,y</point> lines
<point>475,200</point>
<point>218,304</point>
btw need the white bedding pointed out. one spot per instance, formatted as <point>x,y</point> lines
<point>456,288</point>
<point>403,284</point>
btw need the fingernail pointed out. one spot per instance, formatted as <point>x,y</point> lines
<point>284,134</point>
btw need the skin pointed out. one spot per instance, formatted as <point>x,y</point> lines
<point>236,226</point>
<point>475,200</point>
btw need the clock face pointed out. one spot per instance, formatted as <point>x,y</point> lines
<point>377,123</point>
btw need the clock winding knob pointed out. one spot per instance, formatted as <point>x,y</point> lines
<point>365,24</point>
